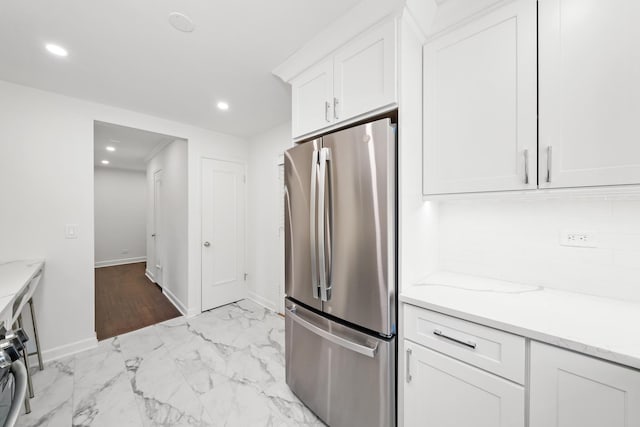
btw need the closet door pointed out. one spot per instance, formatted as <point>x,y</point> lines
<point>480,104</point>
<point>589,92</point>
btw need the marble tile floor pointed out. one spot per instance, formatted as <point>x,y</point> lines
<point>224,367</point>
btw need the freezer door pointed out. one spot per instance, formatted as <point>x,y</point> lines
<point>361,231</point>
<point>301,270</point>
<point>345,377</point>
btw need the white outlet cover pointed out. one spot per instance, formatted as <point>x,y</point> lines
<point>579,239</point>
<point>71,231</point>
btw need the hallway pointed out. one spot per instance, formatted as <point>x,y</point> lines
<point>126,301</point>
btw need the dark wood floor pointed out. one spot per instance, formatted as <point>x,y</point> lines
<point>126,300</point>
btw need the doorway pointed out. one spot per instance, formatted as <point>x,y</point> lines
<point>139,197</point>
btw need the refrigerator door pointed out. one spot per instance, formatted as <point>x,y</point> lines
<point>301,269</point>
<point>345,377</point>
<point>360,231</point>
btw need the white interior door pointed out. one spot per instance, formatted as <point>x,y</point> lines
<point>223,233</point>
<point>157,257</point>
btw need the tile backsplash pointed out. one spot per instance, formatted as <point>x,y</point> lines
<point>519,240</point>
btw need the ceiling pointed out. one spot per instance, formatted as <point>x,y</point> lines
<point>134,147</point>
<point>125,53</point>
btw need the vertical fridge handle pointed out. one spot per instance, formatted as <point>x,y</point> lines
<point>322,267</point>
<point>312,223</point>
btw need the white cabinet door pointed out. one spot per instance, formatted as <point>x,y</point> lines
<point>441,391</point>
<point>312,94</point>
<point>572,390</point>
<point>480,104</point>
<point>589,92</point>
<point>365,73</point>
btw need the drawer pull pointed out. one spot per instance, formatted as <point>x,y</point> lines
<point>408,375</point>
<point>469,344</point>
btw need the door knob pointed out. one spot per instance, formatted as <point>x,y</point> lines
<point>207,244</point>
<point>153,235</point>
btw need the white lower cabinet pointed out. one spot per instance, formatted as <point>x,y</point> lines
<point>440,391</point>
<point>573,390</point>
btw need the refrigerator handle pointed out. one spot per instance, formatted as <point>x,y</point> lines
<point>342,342</point>
<point>312,221</point>
<point>322,267</point>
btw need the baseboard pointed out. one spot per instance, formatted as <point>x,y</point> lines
<point>262,301</point>
<point>175,301</point>
<point>149,275</point>
<point>69,349</point>
<point>123,261</point>
<point>192,312</point>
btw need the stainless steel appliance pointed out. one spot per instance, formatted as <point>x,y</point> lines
<point>340,274</point>
<point>13,376</point>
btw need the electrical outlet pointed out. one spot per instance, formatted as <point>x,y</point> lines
<point>579,239</point>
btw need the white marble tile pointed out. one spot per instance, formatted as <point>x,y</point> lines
<point>224,367</point>
<point>162,392</point>
<point>52,404</point>
<point>102,391</point>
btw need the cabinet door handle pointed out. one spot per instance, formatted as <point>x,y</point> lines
<point>327,106</point>
<point>408,367</point>
<point>469,344</point>
<point>549,160</point>
<point>336,102</point>
<point>526,166</point>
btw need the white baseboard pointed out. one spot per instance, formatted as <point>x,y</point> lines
<point>262,301</point>
<point>149,275</point>
<point>122,261</point>
<point>175,301</point>
<point>192,312</point>
<point>69,349</point>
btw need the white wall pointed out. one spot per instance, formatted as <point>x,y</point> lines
<point>519,240</point>
<point>46,171</point>
<point>172,256</point>
<point>120,203</point>
<point>265,251</point>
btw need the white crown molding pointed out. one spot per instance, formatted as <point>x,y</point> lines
<point>360,17</point>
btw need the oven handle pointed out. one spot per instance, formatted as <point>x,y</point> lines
<point>349,345</point>
<point>20,376</point>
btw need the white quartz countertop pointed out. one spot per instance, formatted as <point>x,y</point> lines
<point>601,327</point>
<point>14,277</point>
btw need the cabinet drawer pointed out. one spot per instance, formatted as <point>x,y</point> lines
<point>487,348</point>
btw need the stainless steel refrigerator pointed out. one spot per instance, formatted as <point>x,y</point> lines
<point>340,274</point>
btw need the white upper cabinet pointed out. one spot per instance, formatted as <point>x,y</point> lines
<point>589,92</point>
<point>365,73</point>
<point>357,79</point>
<point>572,390</point>
<point>313,98</point>
<point>480,104</point>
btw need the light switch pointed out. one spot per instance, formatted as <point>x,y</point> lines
<point>71,231</point>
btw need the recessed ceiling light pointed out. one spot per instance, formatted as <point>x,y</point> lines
<point>181,22</point>
<point>56,50</point>
<point>223,106</point>
<point>105,162</point>
<point>110,148</point>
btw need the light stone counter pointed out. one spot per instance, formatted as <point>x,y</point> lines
<point>600,327</point>
<point>15,276</point>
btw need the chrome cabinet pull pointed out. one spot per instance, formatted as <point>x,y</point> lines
<point>327,106</point>
<point>526,166</point>
<point>549,160</point>
<point>469,344</point>
<point>312,224</point>
<point>408,366</point>
<point>336,102</point>
<point>206,244</point>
